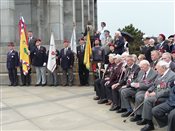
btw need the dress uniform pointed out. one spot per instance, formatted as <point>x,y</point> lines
<point>12,64</point>
<point>67,62</point>
<point>82,70</point>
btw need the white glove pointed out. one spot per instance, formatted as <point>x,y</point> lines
<point>44,64</point>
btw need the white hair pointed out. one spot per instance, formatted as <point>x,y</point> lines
<point>118,57</point>
<point>163,64</point>
<point>144,62</point>
<point>152,41</point>
<point>119,33</point>
<point>124,54</point>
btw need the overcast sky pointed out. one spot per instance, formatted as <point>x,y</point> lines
<point>150,16</point>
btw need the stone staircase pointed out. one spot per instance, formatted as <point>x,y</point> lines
<point>4,80</point>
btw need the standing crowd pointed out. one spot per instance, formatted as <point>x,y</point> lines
<point>121,79</point>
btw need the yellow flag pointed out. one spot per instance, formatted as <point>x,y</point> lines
<point>88,52</point>
<point>24,52</point>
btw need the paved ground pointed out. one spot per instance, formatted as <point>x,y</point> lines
<point>57,108</point>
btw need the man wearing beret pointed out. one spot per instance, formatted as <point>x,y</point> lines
<point>67,62</point>
<point>162,45</point>
<point>12,64</point>
<point>39,62</point>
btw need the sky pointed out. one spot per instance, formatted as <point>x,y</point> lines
<point>152,17</point>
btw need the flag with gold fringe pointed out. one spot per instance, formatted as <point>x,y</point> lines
<point>88,52</point>
<point>24,52</point>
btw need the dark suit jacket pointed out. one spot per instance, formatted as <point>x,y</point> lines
<point>164,46</point>
<point>66,60</point>
<point>171,99</point>
<point>134,72</point>
<point>162,92</point>
<point>172,66</point>
<point>116,74</point>
<point>39,56</point>
<point>120,45</point>
<point>148,81</point>
<point>12,59</point>
<point>80,54</point>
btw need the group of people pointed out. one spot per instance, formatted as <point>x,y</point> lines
<point>143,84</point>
<point>120,79</point>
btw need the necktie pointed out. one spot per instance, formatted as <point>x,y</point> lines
<point>65,50</point>
<point>82,48</point>
<point>144,76</point>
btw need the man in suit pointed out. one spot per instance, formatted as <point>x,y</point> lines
<point>145,49</point>
<point>119,43</point>
<point>155,56</point>
<point>39,62</point>
<point>158,91</point>
<point>130,75</point>
<point>31,43</point>
<point>171,121</point>
<point>82,70</point>
<point>145,79</point>
<point>167,58</point>
<point>12,64</point>
<point>160,112</point>
<point>67,62</point>
<point>115,78</point>
<point>162,45</point>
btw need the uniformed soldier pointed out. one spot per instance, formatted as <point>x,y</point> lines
<point>82,70</point>
<point>12,64</point>
<point>67,62</point>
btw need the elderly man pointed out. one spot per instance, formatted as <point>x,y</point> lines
<point>162,46</point>
<point>119,43</point>
<point>130,75</point>
<point>160,112</point>
<point>155,56</point>
<point>167,58</point>
<point>155,92</point>
<point>145,79</point>
<point>115,78</point>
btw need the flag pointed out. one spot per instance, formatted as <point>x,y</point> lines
<point>24,52</point>
<point>73,44</point>
<point>51,63</point>
<point>88,52</point>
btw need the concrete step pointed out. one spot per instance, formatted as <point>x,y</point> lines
<point>4,79</point>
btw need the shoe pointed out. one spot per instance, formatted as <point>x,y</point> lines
<point>135,118</point>
<point>96,98</point>
<point>23,85</point>
<point>10,85</point>
<point>109,102</point>
<point>44,84</point>
<point>147,127</point>
<point>121,110</point>
<point>142,122</point>
<point>126,114</point>
<point>114,107</point>
<point>102,101</point>
<point>37,85</point>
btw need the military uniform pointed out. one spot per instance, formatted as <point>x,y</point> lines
<point>12,63</point>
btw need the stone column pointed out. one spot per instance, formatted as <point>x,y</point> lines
<point>7,9</point>
<point>55,20</point>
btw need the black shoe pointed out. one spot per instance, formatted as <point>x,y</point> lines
<point>10,85</point>
<point>38,85</point>
<point>23,85</point>
<point>147,127</point>
<point>44,84</point>
<point>142,122</point>
<point>96,98</point>
<point>126,114</point>
<point>102,101</point>
<point>121,110</point>
<point>114,107</point>
<point>135,118</point>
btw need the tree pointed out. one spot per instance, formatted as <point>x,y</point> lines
<point>134,47</point>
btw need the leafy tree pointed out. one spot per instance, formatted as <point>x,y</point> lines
<point>134,47</point>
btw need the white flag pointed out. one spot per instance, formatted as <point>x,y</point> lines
<point>51,63</point>
<point>73,44</point>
